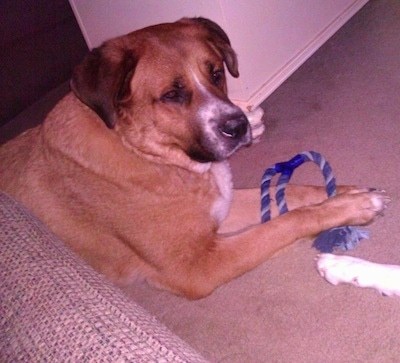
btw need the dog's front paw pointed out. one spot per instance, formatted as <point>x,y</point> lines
<point>372,203</point>
<point>347,269</point>
<point>360,206</point>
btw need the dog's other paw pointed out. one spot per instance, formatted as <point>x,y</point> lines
<point>256,122</point>
<point>347,269</point>
<point>335,269</point>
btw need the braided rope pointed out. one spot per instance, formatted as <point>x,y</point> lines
<point>286,169</point>
<point>344,238</point>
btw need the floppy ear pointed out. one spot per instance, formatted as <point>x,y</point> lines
<point>219,38</point>
<point>102,80</point>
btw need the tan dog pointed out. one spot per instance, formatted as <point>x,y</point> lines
<point>130,168</point>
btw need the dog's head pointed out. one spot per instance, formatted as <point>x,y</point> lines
<point>164,87</point>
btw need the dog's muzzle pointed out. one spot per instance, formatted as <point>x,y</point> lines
<point>220,141</point>
<point>234,132</point>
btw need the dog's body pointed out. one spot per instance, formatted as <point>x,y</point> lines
<point>130,168</point>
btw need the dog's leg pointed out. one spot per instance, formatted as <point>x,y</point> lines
<point>224,257</point>
<point>245,210</point>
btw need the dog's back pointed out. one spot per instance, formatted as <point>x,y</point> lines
<point>17,157</point>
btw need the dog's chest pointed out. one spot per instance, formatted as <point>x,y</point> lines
<point>223,178</point>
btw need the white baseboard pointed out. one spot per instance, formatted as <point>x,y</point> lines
<point>271,84</point>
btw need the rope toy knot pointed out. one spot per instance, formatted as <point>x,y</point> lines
<point>344,238</point>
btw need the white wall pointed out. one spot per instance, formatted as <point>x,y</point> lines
<point>271,37</point>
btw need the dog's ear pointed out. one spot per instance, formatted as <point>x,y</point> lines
<point>102,80</point>
<point>219,38</point>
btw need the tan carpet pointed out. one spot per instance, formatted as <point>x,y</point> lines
<point>344,103</point>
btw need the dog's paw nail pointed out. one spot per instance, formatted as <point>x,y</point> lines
<point>377,190</point>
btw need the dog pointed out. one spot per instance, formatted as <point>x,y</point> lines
<point>130,169</point>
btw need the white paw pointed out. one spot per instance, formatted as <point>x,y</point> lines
<point>347,269</point>
<point>256,123</point>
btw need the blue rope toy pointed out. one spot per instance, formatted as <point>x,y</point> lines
<point>344,238</point>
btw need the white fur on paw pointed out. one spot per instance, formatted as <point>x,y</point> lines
<point>256,123</point>
<point>379,201</point>
<point>347,269</point>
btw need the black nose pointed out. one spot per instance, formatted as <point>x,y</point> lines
<point>235,128</point>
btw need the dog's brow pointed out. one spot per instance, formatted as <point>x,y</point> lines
<point>178,83</point>
<point>196,79</point>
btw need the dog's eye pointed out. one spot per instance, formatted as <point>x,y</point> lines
<point>218,77</point>
<point>178,93</point>
<point>172,96</point>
